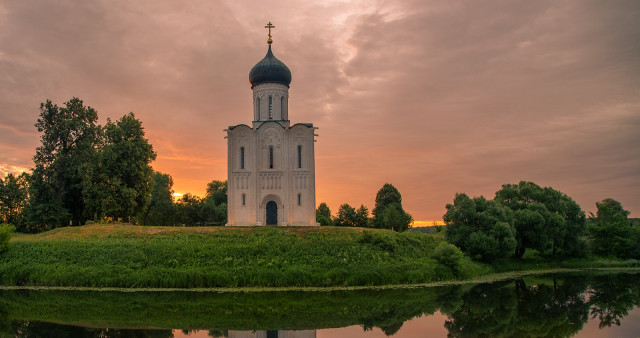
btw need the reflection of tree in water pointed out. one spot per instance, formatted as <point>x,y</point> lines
<point>390,317</point>
<point>486,310</point>
<point>611,298</point>
<point>534,306</point>
<point>514,309</point>
<point>548,308</point>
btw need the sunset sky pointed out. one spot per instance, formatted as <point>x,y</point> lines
<point>435,97</point>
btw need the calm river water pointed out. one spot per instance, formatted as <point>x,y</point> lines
<point>600,304</point>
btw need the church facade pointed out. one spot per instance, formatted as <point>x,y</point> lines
<point>271,166</point>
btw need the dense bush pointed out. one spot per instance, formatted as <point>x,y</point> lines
<point>5,235</point>
<point>479,227</point>
<point>449,255</point>
<point>611,232</point>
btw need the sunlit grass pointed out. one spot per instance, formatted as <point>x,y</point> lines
<point>119,255</point>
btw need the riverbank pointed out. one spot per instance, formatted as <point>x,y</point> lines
<point>136,257</point>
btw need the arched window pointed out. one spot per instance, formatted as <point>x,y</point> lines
<point>270,157</point>
<point>270,107</point>
<point>299,156</point>
<point>244,199</point>
<point>282,106</point>
<point>258,107</point>
<point>299,199</point>
<point>241,157</point>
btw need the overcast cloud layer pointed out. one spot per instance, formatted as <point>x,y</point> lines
<point>433,97</point>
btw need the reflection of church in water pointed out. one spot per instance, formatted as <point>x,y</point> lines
<point>271,167</point>
<point>273,334</point>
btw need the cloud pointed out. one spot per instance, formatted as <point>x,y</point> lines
<point>435,98</point>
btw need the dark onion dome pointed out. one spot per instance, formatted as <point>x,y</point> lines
<point>270,70</point>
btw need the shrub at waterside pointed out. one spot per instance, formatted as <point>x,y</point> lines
<point>5,235</point>
<point>131,256</point>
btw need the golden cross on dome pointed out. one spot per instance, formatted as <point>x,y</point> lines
<point>269,25</point>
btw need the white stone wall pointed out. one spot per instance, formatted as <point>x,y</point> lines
<point>273,169</point>
<point>288,179</point>
<point>279,94</point>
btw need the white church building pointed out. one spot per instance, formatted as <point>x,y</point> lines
<point>271,167</point>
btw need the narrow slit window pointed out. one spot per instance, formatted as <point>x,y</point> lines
<point>270,157</point>
<point>282,106</point>
<point>258,108</point>
<point>299,157</point>
<point>244,199</point>
<point>270,108</point>
<point>241,157</point>
<point>299,199</point>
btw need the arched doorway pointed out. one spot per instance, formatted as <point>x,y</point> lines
<point>272,213</point>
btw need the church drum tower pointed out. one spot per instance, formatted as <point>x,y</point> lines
<point>271,167</point>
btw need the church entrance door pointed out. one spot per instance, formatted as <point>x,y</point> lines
<point>272,213</point>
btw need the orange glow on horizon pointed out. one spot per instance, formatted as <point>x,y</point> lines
<point>420,224</point>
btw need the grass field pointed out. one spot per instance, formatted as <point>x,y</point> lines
<point>127,256</point>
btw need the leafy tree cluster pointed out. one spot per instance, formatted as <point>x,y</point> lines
<point>189,210</point>
<point>87,172</point>
<point>388,213</point>
<point>611,232</point>
<point>479,227</point>
<point>13,197</point>
<point>84,171</point>
<point>521,216</point>
<point>544,218</point>
<point>347,216</point>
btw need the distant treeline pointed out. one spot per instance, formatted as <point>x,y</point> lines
<point>388,213</point>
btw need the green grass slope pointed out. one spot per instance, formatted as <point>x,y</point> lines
<point>125,256</point>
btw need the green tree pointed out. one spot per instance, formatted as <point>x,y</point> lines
<point>190,210</point>
<point>13,198</point>
<point>160,210</point>
<point>479,227</point>
<point>215,214</point>
<point>119,183</point>
<point>215,203</point>
<point>323,214</point>
<point>217,190</point>
<point>544,218</point>
<point>69,139</point>
<point>362,216</point>
<point>610,231</point>
<point>395,219</point>
<point>346,216</point>
<point>388,196</point>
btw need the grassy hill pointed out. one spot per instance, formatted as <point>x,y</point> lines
<point>126,256</point>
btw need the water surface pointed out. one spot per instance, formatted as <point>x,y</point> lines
<point>582,305</point>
